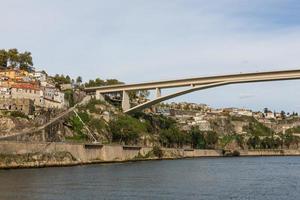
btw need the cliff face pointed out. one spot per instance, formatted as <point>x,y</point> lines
<point>223,125</point>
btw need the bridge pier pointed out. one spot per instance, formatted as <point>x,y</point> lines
<point>125,101</point>
<point>99,96</point>
<point>158,92</point>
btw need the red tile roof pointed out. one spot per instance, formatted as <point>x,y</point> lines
<point>26,86</point>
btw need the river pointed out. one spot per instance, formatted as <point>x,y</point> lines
<point>205,178</point>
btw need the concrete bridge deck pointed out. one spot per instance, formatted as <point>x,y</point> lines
<point>242,77</point>
<point>195,84</point>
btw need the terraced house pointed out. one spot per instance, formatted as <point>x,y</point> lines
<point>18,84</point>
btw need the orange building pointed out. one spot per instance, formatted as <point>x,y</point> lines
<point>13,73</point>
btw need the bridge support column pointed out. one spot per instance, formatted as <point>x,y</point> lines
<point>99,96</point>
<point>158,92</point>
<point>125,101</point>
<point>44,135</point>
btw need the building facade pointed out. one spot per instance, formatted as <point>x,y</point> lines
<point>25,106</point>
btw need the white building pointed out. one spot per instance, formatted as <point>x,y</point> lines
<point>5,92</point>
<point>53,97</point>
<point>269,115</point>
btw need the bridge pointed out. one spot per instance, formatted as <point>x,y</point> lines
<point>193,84</point>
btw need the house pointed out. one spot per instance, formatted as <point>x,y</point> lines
<point>25,106</point>
<point>40,76</point>
<point>13,73</point>
<point>64,87</point>
<point>28,91</point>
<point>269,115</point>
<point>4,92</point>
<point>48,103</point>
<point>53,97</point>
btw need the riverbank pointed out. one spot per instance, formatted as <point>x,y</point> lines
<point>33,155</point>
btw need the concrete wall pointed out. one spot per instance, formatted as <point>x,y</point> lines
<point>85,153</point>
<point>285,152</point>
<point>94,153</point>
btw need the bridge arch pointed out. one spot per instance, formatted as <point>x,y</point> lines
<point>173,95</point>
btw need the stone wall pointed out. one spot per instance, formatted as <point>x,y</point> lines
<point>29,154</point>
<point>88,153</point>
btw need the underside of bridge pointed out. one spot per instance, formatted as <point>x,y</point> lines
<point>194,84</point>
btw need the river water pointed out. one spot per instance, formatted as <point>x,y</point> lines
<point>205,178</point>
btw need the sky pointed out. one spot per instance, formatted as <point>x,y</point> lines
<point>150,40</point>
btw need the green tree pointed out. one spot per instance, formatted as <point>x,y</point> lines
<point>3,58</point>
<point>13,57</point>
<point>172,137</point>
<point>282,113</point>
<point>112,82</point>
<point>79,80</point>
<point>211,139</point>
<point>197,138</point>
<point>126,129</point>
<point>25,61</point>
<point>253,142</point>
<point>95,83</point>
<point>240,140</point>
<point>288,139</point>
<point>266,110</point>
<point>61,79</point>
<point>69,97</point>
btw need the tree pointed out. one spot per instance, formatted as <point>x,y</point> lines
<point>211,139</point>
<point>113,82</point>
<point>288,139</point>
<point>266,110</point>
<point>253,142</point>
<point>25,61</point>
<point>13,57</point>
<point>172,137</point>
<point>79,80</point>
<point>126,129</point>
<point>3,58</point>
<point>240,140</point>
<point>95,83</point>
<point>68,79</point>
<point>197,138</point>
<point>282,113</point>
<point>61,79</point>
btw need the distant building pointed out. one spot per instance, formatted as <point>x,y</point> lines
<point>269,115</point>
<point>241,112</point>
<point>28,91</point>
<point>40,76</point>
<point>53,98</point>
<point>13,73</point>
<point>25,106</point>
<point>4,92</point>
<point>64,87</point>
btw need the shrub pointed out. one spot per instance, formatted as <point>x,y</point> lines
<point>197,138</point>
<point>172,137</point>
<point>18,114</point>
<point>126,129</point>
<point>235,153</point>
<point>69,96</point>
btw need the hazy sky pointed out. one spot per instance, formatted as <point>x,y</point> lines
<point>144,40</point>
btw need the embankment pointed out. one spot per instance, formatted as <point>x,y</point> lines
<point>30,154</point>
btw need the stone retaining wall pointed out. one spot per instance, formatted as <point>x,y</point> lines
<point>30,154</point>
